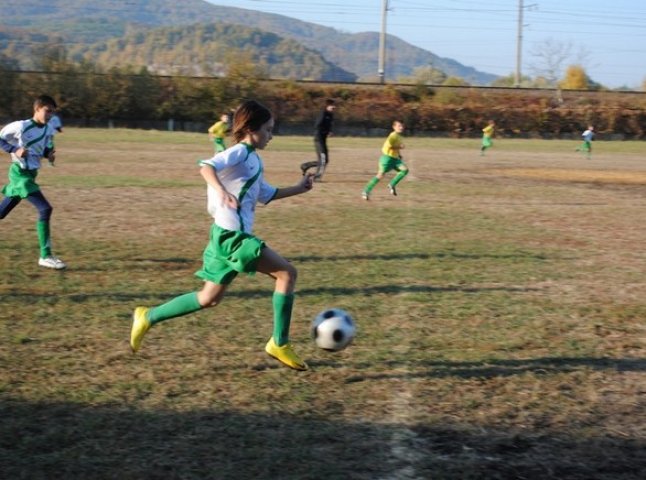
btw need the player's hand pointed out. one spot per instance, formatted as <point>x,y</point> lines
<point>21,152</point>
<point>52,157</point>
<point>229,200</point>
<point>307,182</point>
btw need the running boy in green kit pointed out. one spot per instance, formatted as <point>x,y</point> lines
<point>390,160</point>
<point>235,184</point>
<point>487,136</point>
<point>218,131</point>
<point>28,141</point>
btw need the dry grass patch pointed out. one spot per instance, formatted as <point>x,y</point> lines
<point>501,319</point>
<point>576,175</point>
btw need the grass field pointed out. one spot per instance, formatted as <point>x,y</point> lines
<point>500,300</point>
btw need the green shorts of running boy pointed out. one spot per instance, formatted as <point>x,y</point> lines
<point>228,253</point>
<point>388,163</point>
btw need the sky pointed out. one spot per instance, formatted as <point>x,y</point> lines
<point>607,38</point>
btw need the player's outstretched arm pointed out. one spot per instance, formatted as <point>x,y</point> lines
<point>305,185</point>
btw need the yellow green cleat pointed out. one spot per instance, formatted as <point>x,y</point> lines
<point>140,325</point>
<point>285,354</point>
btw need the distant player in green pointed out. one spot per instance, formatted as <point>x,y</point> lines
<point>27,141</point>
<point>586,146</point>
<point>218,131</point>
<point>390,160</point>
<point>235,184</point>
<point>487,136</point>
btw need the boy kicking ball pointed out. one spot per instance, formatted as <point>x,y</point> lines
<point>236,184</point>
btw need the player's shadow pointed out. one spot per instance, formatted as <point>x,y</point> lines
<point>403,256</point>
<point>45,440</point>
<point>407,369</point>
<point>138,264</point>
<point>390,289</point>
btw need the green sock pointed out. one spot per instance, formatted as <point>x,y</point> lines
<point>371,184</point>
<point>42,228</point>
<point>283,304</point>
<point>398,178</point>
<point>178,306</point>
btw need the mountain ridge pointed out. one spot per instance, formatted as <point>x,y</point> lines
<point>82,21</point>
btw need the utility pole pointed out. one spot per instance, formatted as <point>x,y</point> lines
<point>519,44</point>
<point>382,43</point>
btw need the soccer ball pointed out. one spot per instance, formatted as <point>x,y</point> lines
<point>333,329</point>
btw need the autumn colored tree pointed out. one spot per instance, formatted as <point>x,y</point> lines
<point>575,78</point>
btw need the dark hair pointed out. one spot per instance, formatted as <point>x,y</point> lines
<point>44,101</point>
<point>329,101</point>
<point>249,117</point>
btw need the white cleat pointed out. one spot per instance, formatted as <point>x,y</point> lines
<point>52,262</point>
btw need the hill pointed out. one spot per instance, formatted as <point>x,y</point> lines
<point>205,50</point>
<point>85,22</point>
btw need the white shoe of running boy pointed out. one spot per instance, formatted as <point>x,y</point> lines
<point>52,262</point>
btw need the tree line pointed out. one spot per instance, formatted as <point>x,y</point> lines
<point>123,96</point>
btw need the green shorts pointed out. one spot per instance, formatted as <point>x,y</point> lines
<point>229,253</point>
<point>388,163</point>
<point>219,145</point>
<point>22,183</point>
<point>487,141</point>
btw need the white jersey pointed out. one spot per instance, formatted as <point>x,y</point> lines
<point>240,171</point>
<point>56,124</point>
<point>588,135</point>
<point>30,135</point>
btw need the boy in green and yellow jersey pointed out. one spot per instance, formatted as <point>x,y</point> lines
<point>390,160</point>
<point>218,131</point>
<point>487,136</point>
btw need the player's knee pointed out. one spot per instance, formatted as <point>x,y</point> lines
<point>288,276</point>
<point>292,273</point>
<point>209,298</point>
<point>45,213</point>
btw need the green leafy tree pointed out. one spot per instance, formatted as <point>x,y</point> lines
<point>455,82</point>
<point>243,76</point>
<point>8,86</point>
<point>426,75</point>
<point>510,81</point>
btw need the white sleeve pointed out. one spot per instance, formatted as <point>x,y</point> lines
<point>267,193</point>
<point>11,133</point>
<point>225,159</point>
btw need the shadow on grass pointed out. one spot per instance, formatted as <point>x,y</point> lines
<point>55,297</point>
<point>138,264</point>
<point>496,368</point>
<point>71,441</point>
<point>418,256</point>
<point>177,263</point>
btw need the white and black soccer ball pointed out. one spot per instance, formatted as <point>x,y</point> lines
<point>333,329</point>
